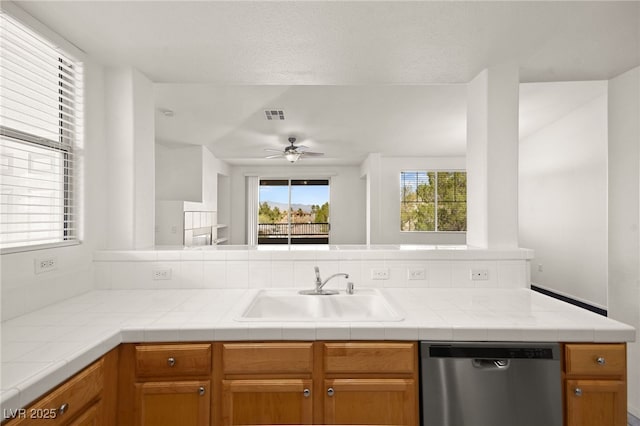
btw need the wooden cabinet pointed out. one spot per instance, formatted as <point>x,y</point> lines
<point>234,383</point>
<point>370,383</point>
<point>267,401</point>
<point>90,416</point>
<point>321,383</point>
<point>88,398</point>
<point>595,385</point>
<point>165,384</point>
<point>370,401</point>
<point>172,403</point>
<point>266,383</point>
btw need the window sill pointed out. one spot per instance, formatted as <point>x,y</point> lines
<point>22,249</point>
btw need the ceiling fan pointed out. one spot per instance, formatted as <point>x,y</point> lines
<point>293,152</point>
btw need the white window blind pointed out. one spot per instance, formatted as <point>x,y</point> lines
<point>40,125</point>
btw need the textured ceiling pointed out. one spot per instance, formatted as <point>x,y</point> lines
<point>352,77</point>
<point>344,122</point>
<point>337,42</point>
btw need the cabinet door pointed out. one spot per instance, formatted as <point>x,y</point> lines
<point>90,417</point>
<point>173,403</point>
<point>267,401</point>
<point>596,403</point>
<point>370,401</point>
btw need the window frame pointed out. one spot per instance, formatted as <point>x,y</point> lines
<point>435,199</point>
<point>290,184</point>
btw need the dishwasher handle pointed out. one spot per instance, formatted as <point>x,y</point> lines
<point>490,364</point>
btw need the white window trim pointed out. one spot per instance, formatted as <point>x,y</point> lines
<point>436,171</point>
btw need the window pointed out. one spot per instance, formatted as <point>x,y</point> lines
<point>40,121</point>
<point>433,201</point>
<point>293,211</point>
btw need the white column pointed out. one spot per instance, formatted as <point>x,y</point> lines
<point>144,142</point>
<point>371,171</point>
<point>492,158</point>
<point>253,200</point>
<point>130,138</point>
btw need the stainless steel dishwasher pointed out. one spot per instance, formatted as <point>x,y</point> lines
<point>490,384</point>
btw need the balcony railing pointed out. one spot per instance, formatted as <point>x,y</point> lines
<point>301,233</point>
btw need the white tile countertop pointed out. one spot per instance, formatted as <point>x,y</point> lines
<point>44,348</point>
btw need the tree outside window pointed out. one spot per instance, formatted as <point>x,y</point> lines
<point>434,201</point>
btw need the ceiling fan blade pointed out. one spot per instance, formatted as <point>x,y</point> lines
<point>273,150</point>
<point>275,156</point>
<point>301,147</point>
<point>312,154</point>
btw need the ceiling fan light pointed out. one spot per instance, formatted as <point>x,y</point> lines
<point>292,157</point>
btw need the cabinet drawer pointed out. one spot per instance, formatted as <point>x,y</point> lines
<point>75,395</point>
<point>399,358</point>
<point>173,360</point>
<point>595,359</point>
<point>267,358</point>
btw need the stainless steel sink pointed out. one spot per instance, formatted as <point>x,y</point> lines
<point>288,305</point>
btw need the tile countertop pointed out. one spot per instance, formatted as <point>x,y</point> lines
<point>44,348</point>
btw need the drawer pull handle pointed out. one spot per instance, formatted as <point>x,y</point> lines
<point>201,390</point>
<point>578,392</point>
<point>306,393</point>
<point>330,392</point>
<point>171,361</point>
<point>600,360</point>
<point>63,408</point>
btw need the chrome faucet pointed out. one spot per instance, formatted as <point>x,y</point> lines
<point>320,284</point>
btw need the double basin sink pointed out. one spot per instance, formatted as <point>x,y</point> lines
<point>288,305</point>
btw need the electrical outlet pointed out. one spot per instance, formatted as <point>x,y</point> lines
<point>479,274</point>
<point>162,274</point>
<point>380,274</point>
<point>45,265</point>
<point>416,274</point>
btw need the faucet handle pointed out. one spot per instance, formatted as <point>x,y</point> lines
<point>317,273</point>
<point>350,288</point>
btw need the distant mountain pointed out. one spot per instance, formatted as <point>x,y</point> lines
<point>284,206</point>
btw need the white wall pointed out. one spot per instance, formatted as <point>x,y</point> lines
<point>382,175</point>
<point>347,198</point>
<point>624,216</point>
<point>186,180</point>
<point>22,290</point>
<point>563,201</point>
<point>388,192</point>
<point>178,172</point>
<point>169,223</point>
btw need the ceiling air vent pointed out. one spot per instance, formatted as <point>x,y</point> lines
<point>274,114</point>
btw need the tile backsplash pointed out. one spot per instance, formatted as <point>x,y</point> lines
<point>242,268</point>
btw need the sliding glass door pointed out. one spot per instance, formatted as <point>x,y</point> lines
<point>293,211</point>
